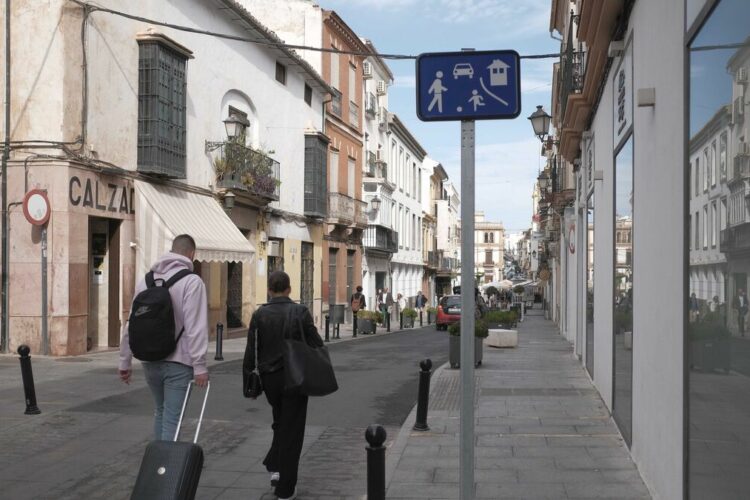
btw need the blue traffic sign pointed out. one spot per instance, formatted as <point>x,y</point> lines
<point>469,85</point>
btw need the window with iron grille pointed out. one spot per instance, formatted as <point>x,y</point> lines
<point>161,110</point>
<point>316,189</point>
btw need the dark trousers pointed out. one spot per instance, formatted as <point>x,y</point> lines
<point>741,320</point>
<point>289,415</point>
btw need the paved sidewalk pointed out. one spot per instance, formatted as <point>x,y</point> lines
<point>541,430</point>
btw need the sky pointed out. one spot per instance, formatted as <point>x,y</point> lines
<point>507,152</point>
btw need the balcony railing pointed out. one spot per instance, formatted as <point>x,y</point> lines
<point>734,239</point>
<point>347,211</point>
<point>433,259</point>
<point>371,166</point>
<point>573,66</point>
<point>371,105</point>
<point>380,238</point>
<point>242,168</point>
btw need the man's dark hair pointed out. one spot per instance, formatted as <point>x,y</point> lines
<point>359,289</point>
<point>183,244</point>
<point>278,281</point>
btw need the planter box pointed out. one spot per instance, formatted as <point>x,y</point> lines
<point>454,351</point>
<point>711,354</point>
<point>502,338</point>
<point>408,322</point>
<point>365,325</point>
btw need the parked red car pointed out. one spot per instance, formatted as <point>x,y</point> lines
<point>449,310</point>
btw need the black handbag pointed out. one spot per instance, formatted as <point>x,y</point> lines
<point>307,369</point>
<point>251,384</point>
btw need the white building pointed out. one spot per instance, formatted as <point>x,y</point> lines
<point>406,157</point>
<point>380,239</point>
<point>448,239</point>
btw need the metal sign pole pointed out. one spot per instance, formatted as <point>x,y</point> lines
<point>468,304</point>
<point>45,333</point>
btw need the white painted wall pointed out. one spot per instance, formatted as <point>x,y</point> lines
<point>217,77</point>
<point>659,246</point>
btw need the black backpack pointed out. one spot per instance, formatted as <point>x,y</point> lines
<point>151,325</point>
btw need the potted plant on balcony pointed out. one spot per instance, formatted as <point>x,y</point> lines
<point>367,321</point>
<point>431,315</point>
<point>454,342</point>
<point>710,344</point>
<point>409,314</point>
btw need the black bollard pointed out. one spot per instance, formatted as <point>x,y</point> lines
<point>328,324</point>
<point>354,324</point>
<point>423,398</point>
<point>219,342</point>
<point>375,436</point>
<point>388,321</point>
<point>420,317</point>
<point>400,321</point>
<point>28,381</point>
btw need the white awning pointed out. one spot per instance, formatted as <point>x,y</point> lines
<point>163,212</point>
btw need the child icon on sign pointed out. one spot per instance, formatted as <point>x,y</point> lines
<point>476,99</point>
<point>437,89</point>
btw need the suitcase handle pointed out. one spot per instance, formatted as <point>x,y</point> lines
<point>182,412</point>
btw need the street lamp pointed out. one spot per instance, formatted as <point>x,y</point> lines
<point>235,126</point>
<point>229,201</point>
<point>543,181</point>
<point>374,205</point>
<point>540,121</point>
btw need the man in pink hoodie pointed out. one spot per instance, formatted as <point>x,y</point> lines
<point>169,378</point>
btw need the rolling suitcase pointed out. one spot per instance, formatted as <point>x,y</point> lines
<point>170,470</point>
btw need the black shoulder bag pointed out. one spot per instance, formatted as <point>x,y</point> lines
<point>307,369</point>
<point>251,384</point>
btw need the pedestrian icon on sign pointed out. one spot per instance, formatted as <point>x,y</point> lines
<point>437,89</point>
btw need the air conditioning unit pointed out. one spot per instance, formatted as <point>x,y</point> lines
<point>741,75</point>
<point>273,248</point>
<point>367,69</point>
<point>381,87</point>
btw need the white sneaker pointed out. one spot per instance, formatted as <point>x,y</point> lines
<point>292,497</point>
<point>274,479</point>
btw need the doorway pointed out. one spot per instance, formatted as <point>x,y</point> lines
<point>104,322</point>
<point>234,295</point>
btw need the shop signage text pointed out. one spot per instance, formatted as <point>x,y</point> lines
<point>106,197</point>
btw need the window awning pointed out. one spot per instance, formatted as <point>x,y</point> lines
<point>163,212</point>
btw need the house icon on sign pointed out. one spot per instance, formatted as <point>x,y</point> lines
<point>498,73</point>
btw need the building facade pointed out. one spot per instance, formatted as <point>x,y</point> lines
<point>448,239</point>
<point>649,106</point>
<point>489,249</point>
<point>133,151</point>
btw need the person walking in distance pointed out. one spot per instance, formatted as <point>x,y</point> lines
<point>357,302</point>
<point>740,304</point>
<point>168,378</point>
<point>388,303</point>
<point>421,301</point>
<point>381,303</point>
<point>289,410</point>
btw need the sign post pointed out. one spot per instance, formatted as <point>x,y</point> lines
<point>36,209</point>
<point>467,86</point>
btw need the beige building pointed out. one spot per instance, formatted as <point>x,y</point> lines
<point>489,249</point>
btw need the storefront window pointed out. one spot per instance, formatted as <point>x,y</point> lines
<point>717,342</point>
<point>623,291</point>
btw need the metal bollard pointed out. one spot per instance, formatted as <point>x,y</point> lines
<point>219,342</point>
<point>354,324</point>
<point>375,436</point>
<point>400,321</point>
<point>28,381</point>
<point>328,324</point>
<point>388,321</point>
<point>420,318</point>
<point>423,398</point>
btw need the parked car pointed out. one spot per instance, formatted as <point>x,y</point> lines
<point>449,310</point>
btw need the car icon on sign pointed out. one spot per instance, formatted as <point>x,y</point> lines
<point>462,69</point>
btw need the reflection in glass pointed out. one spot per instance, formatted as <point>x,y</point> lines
<point>590,286</point>
<point>719,247</point>
<point>623,292</point>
